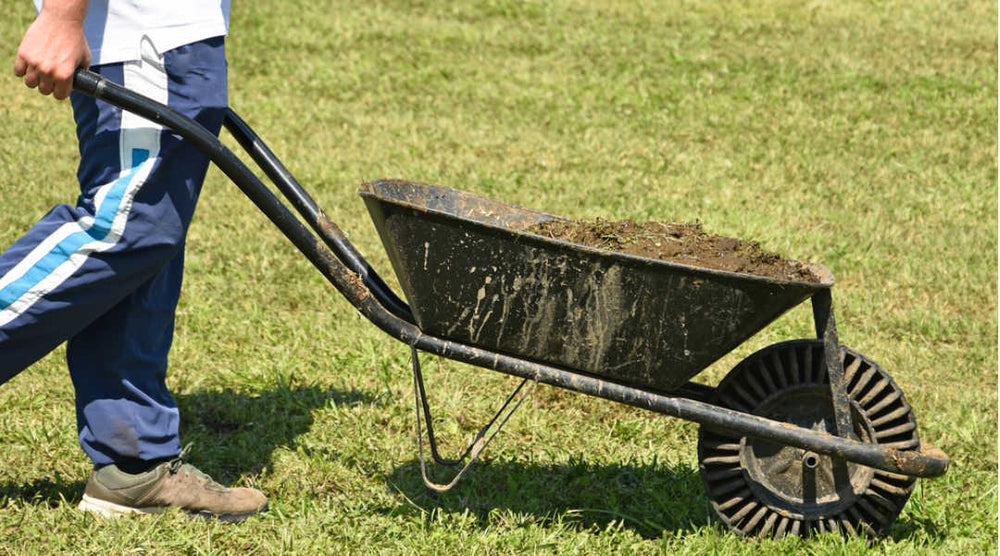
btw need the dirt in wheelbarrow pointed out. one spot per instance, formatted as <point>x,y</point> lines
<point>677,242</point>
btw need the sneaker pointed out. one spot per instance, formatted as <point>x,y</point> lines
<point>111,492</point>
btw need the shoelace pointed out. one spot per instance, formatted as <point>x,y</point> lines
<point>178,463</point>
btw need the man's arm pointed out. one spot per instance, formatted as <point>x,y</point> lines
<point>53,48</point>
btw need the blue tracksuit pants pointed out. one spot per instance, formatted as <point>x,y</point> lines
<point>105,275</point>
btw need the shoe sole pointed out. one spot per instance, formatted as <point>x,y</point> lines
<point>103,508</point>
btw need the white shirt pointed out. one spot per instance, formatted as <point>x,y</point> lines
<point>115,28</point>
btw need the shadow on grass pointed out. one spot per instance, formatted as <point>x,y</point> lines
<point>911,527</point>
<point>236,433</point>
<point>45,491</point>
<point>649,498</point>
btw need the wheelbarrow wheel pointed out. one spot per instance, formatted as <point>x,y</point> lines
<point>763,488</point>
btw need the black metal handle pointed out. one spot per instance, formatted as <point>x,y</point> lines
<point>92,84</point>
<point>87,82</point>
<point>348,260</point>
<point>313,214</point>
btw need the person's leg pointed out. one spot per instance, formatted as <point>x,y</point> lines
<point>127,419</point>
<point>106,275</point>
<point>118,363</point>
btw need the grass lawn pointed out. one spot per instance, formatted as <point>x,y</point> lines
<point>858,134</point>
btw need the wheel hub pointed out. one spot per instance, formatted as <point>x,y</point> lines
<point>801,483</point>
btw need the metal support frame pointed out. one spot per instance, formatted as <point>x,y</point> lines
<point>478,444</point>
<point>826,330</point>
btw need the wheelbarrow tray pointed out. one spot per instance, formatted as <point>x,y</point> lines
<point>472,273</point>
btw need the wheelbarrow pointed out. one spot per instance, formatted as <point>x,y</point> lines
<point>804,436</point>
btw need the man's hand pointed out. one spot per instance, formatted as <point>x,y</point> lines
<point>53,48</point>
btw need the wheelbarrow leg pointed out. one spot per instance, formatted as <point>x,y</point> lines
<point>826,330</point>
<point>482,439</point>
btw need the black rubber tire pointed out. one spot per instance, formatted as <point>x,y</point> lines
<point>760,488</point>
